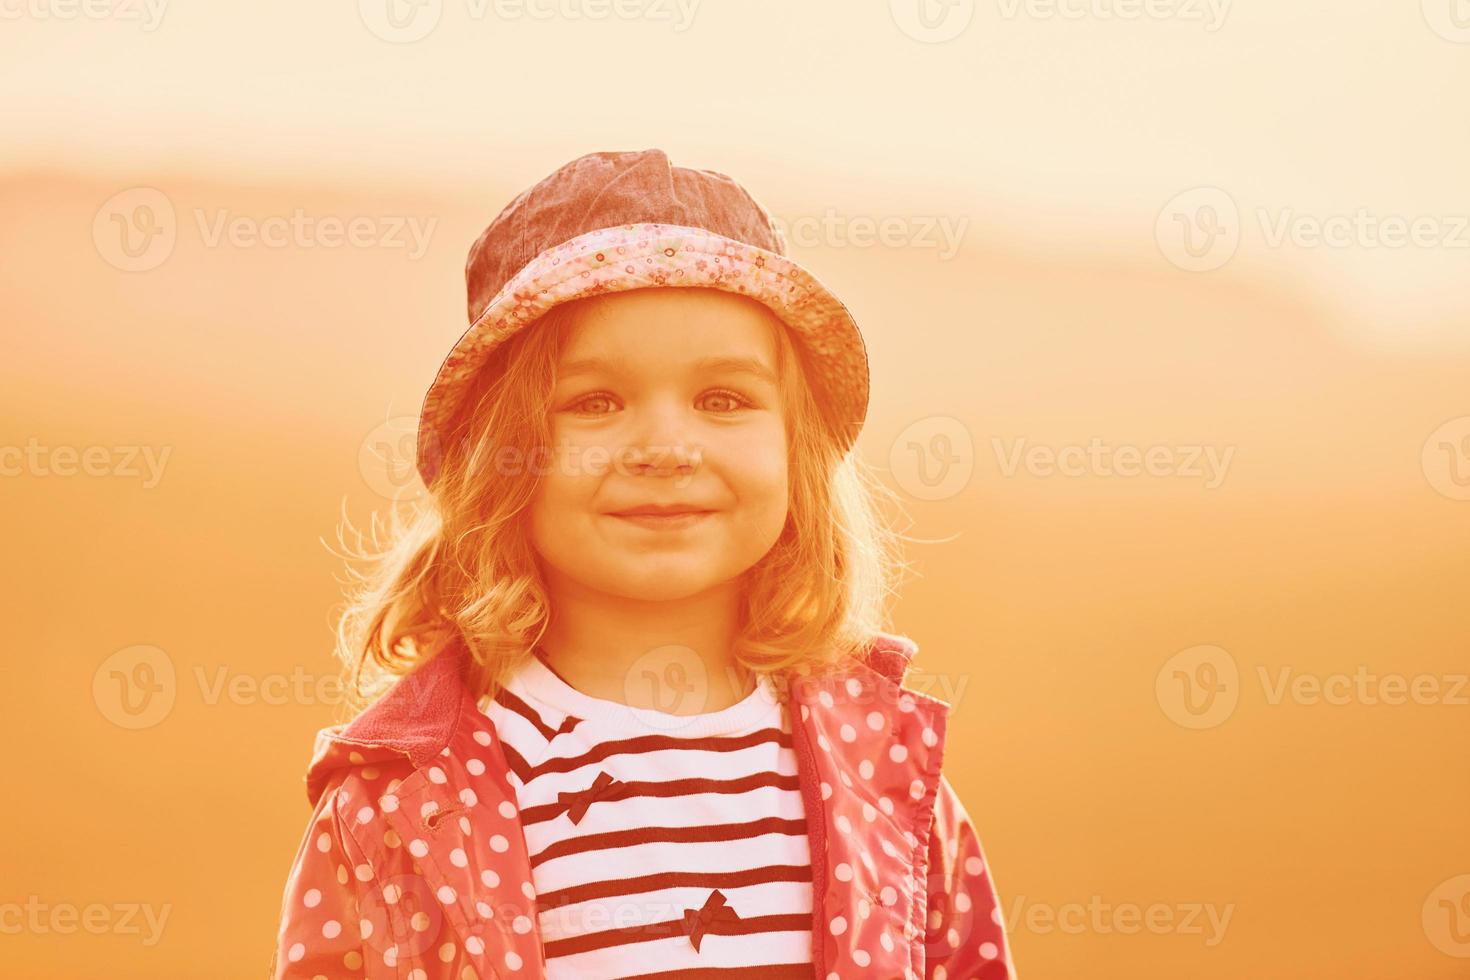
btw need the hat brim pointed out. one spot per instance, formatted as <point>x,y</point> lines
<point>637,256</point>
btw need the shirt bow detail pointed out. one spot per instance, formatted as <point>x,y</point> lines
<point>698,922</point>
<point>577,802</point>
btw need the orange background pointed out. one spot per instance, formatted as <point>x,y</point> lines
<point>1047,607</point>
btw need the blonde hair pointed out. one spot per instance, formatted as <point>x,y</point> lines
<point>458,564</point>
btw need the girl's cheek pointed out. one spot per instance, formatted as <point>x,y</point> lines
<point>760,446</point>
<point>577,457</point>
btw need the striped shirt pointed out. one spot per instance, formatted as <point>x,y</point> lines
<point>661,845</point>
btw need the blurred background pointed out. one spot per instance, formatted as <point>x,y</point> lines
<point>1169,322</point>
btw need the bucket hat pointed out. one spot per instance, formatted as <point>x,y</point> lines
<point>608,222</point>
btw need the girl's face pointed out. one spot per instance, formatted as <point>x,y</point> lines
<point>664,397</point>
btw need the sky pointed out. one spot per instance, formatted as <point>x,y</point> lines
<point>1069,124</point>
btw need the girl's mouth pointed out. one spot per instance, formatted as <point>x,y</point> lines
<point>665,522</point>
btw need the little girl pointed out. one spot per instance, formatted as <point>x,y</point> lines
<point>631,712</point>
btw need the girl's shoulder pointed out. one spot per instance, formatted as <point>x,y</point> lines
<point>882,657</point>
<point>889,654</point>
<point>401,732</point>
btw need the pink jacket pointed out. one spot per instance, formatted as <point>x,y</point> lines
<point>414,866</point>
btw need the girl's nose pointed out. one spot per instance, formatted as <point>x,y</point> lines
<point>661,444</point>
<point>647,459</point>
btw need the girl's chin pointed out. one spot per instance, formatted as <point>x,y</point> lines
<point>658,581</point>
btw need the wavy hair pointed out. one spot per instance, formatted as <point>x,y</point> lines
<point>457,564</point>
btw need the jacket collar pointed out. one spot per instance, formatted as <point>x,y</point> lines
<point>869,757</point>
<point>416,717</point>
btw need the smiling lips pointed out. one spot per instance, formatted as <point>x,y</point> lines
<point>662,518</point>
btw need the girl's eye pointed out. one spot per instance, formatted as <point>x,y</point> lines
<point>735,401</point>
<point>580,406</point>
<point>724,402</point>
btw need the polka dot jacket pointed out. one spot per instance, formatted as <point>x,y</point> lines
<point>414,866</point>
